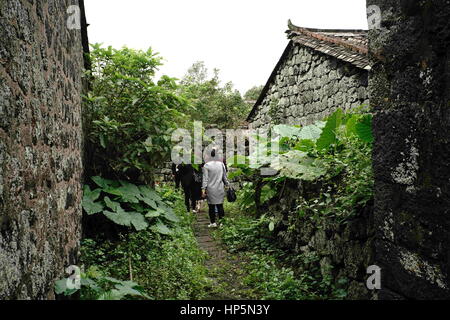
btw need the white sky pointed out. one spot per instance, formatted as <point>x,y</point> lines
<point>244,39</point>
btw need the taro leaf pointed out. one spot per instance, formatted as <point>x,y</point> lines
<point>287,131</point>
<point>169,214</point>
<point>88,202</point>
<point>138,207</point>
<point>153,213</point>
<point>161,228</point>
<point>149,193</point>
<point>328,135</point>
<point>86,282</point>
<point>128,288</point>
<point>305,145</point>
<point>350,126</point>
<point>111,204</point>
<point>298,165</point>
<point>320,124</point>
<point>150,202</point>
<point>138,221</point>
<point>130,192</point>
<point>122,289</point>
<point>311,132</point>
<point>127,219</point>
<point>364,128</point>
<point>102,183</point>
<point>91,194</point>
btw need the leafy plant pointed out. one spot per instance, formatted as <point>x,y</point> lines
<point>322,151</point>
<point>96,286</point>
<point>128,205</point>
<point>212,103</point>
<point>165,267</point>
<point>128,114</point>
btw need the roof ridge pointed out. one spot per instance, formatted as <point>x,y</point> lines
<point>294,27</point>
<point>330,39</point>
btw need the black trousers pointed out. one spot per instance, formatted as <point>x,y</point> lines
<point>190,199</point>
<point>215,209</point>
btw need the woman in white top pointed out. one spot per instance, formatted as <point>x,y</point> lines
<point>213,187</point>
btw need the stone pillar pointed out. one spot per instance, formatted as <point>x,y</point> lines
<point>41,63</point>
<point>409,91</point>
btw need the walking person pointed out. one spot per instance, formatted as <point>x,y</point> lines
<point>213,187</point>
<point>190,186</point>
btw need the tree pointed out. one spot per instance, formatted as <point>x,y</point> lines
<point>253,94</point>
<point>212,103</point>
<point>129,117</point>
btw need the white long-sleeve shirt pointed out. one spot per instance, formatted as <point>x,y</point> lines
<point>214,181</point>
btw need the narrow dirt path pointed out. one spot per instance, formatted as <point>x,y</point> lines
<point>225,269</point>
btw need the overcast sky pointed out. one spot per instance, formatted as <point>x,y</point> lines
<point>242,38</point>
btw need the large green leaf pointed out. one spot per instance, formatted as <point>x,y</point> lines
<point>128,192</point>
<point>148,193</point>
<point>88,202</point>
<point>311,132</point>
<point>128,219</point>
<point>153,213</point>
<point>287,131</point>
<point>328,135</point>
<point>103,183</point>
<point>298,165</point>
<point>363,128</point>
<point>121,290</point>
<point>350,126</point>
<point>169,214</point>
<point>111,204</point>
<point>161,228</point>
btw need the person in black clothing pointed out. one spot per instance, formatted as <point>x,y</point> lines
<point>191,184</point>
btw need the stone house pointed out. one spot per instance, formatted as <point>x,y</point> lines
<point>319,71</point>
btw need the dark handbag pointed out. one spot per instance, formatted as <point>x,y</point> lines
<point>231,195</point>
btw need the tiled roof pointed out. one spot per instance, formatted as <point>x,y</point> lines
<point>346,45</point>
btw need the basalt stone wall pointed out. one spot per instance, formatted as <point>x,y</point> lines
<point>410,91</point>
<point>341,251</point>
<point>41,63</point>
<point>309,86</point>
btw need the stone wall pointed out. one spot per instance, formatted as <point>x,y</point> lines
<point>410,94</point>
<point>309,86</point>
<point>41,63</point>
<point>342,251</point>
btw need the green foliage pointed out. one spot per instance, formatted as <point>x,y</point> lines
<point>328,137</point>
<point>268,272</point>
<point>128,115</point>
<point>336,153</point>
<point>128,205</point>
<point>97,286</point>
<point>363,128</point>
<point>246,196</point>
<point>211,102</point>
<point>165,267</point>
<point>253,93</point>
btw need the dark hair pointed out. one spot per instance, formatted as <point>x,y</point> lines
<point>213,152</point>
